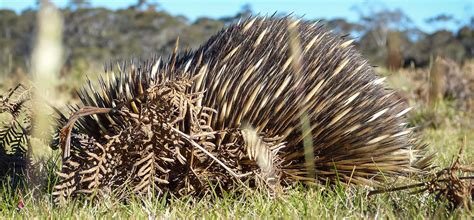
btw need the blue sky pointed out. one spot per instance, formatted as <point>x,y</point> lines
<point>417,10</point>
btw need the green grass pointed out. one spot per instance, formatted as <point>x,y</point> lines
<point>297,202</point>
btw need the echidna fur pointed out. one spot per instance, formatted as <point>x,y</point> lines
<point>356,128</point>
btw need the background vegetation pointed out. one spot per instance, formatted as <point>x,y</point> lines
<point>93,36</point>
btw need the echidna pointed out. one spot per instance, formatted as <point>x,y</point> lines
<point>266,101</point>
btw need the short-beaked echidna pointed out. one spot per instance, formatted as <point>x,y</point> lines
<point>266,101</point>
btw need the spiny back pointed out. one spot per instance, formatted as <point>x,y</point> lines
<point>356,124</point>
<point>283,98</point>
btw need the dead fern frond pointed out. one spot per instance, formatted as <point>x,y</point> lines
<point>14,133</point>
<point>166,146</point>
<point>452,184</point>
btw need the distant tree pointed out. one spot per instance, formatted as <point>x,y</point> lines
<point>244,12</point>
<point>145,5</point>
<point>466,37</point>
<point>343,27</point>
<point>441,21</point>
<point>379,21</point>
<point>441,17</point>
<point>78,4</point>
<point>141,3</point>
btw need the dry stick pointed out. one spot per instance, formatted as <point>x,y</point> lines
<point>189,139</point>
<point>65,138</point>
<point>453,166</point>
<point>192,142</point>
<point>374,192</point>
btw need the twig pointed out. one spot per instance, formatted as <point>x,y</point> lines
<point>374,192</point>
<point>192,142</point>
<point>65,138</point>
